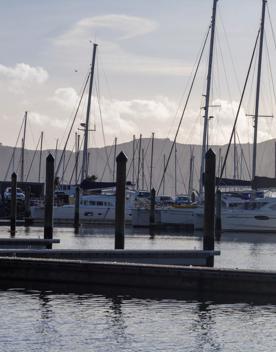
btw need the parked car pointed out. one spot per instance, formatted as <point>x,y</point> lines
<point>19,194</point>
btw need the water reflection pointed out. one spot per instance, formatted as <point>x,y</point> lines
<point>205,324</point>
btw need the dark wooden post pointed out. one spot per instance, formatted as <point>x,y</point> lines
<point>27,213</point>
<point>218,214</point>
<point>77,209</point>
<point>49,198</point>
<point>120,201</point>
<point>13,204</point>
<point>209,204</point>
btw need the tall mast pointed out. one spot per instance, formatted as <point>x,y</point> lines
<point>207,96</point>
<point>133,159</point>
<point>191,176</point>
<point>143,169</point>
<point>114,159</point>
<point>84,172</point>
<point>175,170</point>
<point>77,151</point>
<point>164,172</point>
<point>23,148</point>
<point>139,162</point>
<point>40,156</point>
<point>151,159</point>
<point>256,114</point>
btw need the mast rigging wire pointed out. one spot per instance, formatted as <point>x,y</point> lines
<point>14,149</point>
<point>238,111</point>
<point>73,122</point>
<point>184,109</point>
<point>33,158</point>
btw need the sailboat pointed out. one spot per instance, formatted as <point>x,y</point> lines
<point>98,205</point>
<point>249,211</point>
<point>184,216</point>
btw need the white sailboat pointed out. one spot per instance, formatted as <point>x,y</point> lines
<point>96,206</point>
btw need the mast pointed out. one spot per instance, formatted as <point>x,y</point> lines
<point>164,173</point>
<point>114,159</point>
<point>275,159</point>
<point>40,156</point>
<point>151,159</point>
<point>77,151</point>
<point>139,162</point>
<point>133,159</point>
<point>256,114</point>
<point>23,148</point>
<point>235,156</point>
<point>56,150</point>
<point>84,171</point>
<point>207,96</point>
<point>143,169</point>
<point>191,176</point>
<point>175,170</point>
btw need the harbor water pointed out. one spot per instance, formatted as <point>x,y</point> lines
<point>54,321</point>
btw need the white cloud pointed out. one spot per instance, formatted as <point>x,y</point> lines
<point>123,26</point>
<point>16,79</point>
<point>38,119</point>
<point>110,31</point>
<point>24,72</point>
<point>65,97</point>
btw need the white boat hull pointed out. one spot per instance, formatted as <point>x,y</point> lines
<point>87,214</point>
<point>239,220</point>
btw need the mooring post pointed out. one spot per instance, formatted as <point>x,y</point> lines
<point>13,204</point>
<point>218,214</point>
<point>27,212</point>
<point>49,199</point>
<point>121,161</point>
<point>77,209</point>
<point>209,204</point>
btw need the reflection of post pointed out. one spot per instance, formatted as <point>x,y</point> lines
<point>49,198</point>
<point>120,201</point>
<point>209,204</point>
<point>13,203</point>
<point>77,209</point>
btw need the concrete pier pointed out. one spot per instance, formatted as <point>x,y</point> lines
<point>20,272</point>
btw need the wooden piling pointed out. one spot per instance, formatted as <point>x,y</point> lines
<point>77,209</point>
<point>209,204</point>
<point>13,204</point>
<point>49,198</point>
<point>121,161</point>
<point>218,214</point>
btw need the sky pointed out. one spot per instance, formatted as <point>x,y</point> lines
<point>146,56</point>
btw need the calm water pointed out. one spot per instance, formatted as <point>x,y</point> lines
<point>48,321</point>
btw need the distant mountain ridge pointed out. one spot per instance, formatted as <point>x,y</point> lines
<point>104,172</point>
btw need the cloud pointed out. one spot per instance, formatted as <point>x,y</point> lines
<point>123,26</point>
<point>22,76</point>
<point>24,72</point>
<point>111,30</point>
<point>65,97</point>
<point>38,119</point>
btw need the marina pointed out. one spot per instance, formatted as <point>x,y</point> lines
<point>138,201</point>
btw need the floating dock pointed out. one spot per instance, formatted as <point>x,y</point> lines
<point>176,279</point>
